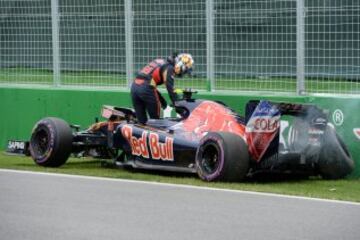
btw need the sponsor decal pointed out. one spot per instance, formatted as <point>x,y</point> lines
<point>149,140</point>
<point>265,109</point>
<point>138,145</point>
<point>16,145</point>
<point>320,120</point>
<point>264,124</point>
<point>163,151</point>
<point>261,129</point>
<point>315,131</point>
<point>283,125</point>
<point>357,132</point>
<point>338,117</point>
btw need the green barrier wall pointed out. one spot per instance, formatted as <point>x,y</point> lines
<point>22,108</point>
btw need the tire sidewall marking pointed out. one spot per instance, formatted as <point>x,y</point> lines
<point>48,127</point>
<point>219,143</point>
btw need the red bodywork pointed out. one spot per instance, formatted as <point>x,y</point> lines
<point>213,117</point>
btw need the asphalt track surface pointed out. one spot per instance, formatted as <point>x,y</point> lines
<point>48,206</point>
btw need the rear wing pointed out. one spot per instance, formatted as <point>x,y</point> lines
<point>292,109</point>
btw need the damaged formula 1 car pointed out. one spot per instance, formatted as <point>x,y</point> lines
<point>208,138</point>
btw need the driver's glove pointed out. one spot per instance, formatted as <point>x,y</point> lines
<point>167,112</point>
<point>163,104</point>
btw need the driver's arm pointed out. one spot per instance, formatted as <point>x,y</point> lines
<point>168,76</point>
<point>162,100</point>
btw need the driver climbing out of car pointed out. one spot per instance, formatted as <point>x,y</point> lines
<point>144,94</point>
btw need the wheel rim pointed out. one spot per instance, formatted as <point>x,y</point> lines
<point>210,158</point>
<point>40,142</point>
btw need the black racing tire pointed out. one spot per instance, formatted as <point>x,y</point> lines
<point>335,160</point>
<point>222,156</point>
<point>51,142</point>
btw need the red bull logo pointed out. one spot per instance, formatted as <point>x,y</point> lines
<point>140,147</point>
<point>163,151</point>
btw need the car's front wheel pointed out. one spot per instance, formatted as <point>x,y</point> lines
<point>51,142</point>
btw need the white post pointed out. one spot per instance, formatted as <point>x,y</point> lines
<point>300,47</point>
<point>210,74</point>
<point>55,42</point>
<point>129,41</point>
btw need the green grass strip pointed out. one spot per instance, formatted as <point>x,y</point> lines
<point>346,189</point>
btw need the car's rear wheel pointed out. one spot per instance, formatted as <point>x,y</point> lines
<point>335,160</point>
<point>51,142</point>
<point>222,156</point>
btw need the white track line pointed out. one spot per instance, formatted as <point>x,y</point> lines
<point>179,186</point>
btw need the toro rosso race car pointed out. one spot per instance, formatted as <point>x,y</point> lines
<point>207,138</point>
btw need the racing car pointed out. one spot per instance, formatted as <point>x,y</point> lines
<point>205,137</point>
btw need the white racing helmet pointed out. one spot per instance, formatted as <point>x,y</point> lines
<point>183,63</point>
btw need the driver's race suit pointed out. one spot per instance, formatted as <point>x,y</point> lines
<point>144,93</point>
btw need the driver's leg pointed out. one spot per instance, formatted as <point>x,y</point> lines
<point>152,102</point>
<point>137,97</point>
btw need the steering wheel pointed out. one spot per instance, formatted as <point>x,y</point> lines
<point>186,93</point>
<point>186,96</point>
